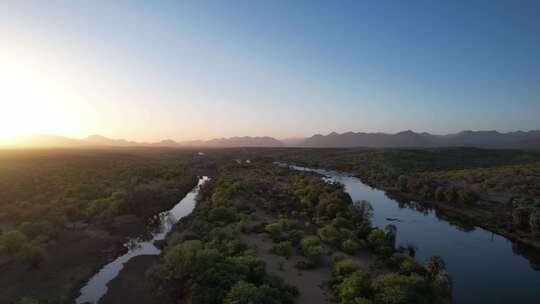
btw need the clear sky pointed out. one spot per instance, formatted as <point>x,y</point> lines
<point>148,70</point>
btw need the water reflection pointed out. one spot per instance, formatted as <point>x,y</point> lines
<point>156,229</point>
<point>486,268</point>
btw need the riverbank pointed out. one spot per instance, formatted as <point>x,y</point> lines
<point>72,257</point>
<point>476,258</point>
<point>487,215</point>
<point>132,278</point>
<point>492,216</point>
<point>145,244</point>
<point>75,254</point>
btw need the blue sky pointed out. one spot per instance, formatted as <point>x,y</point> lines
<point>147,70</point>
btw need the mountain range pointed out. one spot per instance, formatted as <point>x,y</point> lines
<point>487,139</point>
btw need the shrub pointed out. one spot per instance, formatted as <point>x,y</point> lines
<point>12,241</point>
<point>275,230</point>
<point>350,246</point>
<point>520,216</point>
<point>330,235</point>
<point>439,194</point>
<point>32,254</point>
<point>336,257</point>
<point>442,285</point>
<point>35,229</point>
<point>222,214</point>
<point>450,195</point>
<point>410,266</point>
<point>295,236</point>
<point>282,248</point>
<point>398,289</point>
<point>305,265</point>
<point>243,293</point>
<point>379,243</point>
<point>345,267</point>
<point>435,264</point>
<point>26,300</point>
<point>311,247</point>
<point>259,228</point>
<point>534,222</point>
<point>354,286</point>
<point>396,259</point>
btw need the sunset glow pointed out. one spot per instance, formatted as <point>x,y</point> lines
<point>195,70</point>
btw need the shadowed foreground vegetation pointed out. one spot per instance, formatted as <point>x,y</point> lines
<point>51,199</point>
<point>208,257</point>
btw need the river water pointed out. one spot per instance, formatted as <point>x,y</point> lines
<point>485,267</point>
<point>162,223</point>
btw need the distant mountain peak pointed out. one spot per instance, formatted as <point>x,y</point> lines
<point>409,138</point>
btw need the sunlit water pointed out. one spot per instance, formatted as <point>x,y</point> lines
<point>96,287</point>
<point>483,265</point>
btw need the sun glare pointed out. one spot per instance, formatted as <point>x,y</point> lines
<point>33,100</point>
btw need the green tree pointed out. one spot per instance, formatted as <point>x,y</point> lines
<point>243,293</point>
<point>311,247</point>
<point>394,288</point>
<point>355,285</point>
<point>330,235</point>
<point>350,246</point>
<point>435,264</point>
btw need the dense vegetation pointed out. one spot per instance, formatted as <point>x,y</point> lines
<point>460,178</point>
<point>45,191</point>
<point>206,261</point>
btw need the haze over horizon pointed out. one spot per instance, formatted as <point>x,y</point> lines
<point>207,69</point>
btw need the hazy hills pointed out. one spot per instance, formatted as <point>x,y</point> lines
<point>47,140</point>
<point>488,139</point>
<point>494,139</point>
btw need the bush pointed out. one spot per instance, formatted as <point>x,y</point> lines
<point>32,254</point>
<point>35,229</point>
<point>259,228</point>
<point>345,267</point>
<point>410,266</point>
<point>12,241</point>
<point>534,222</point>
<point>243,293</point>
<point>275,230</point>
<point>435,264</point>
<point>520,216</point>
<point>330,235</point>
<point>398,289</point>
<point>305,265</point>
<point>336,257</point>
<point>222,214</point>
<point>355,286</point>
<point>442,285</point>
<point>294,237</point>
<point>396,259</point>
<point>311,247</point>
<point>378,241</point>
<point>27,300</point>
<point>350,246</point>
<point>282,248</point>
<point>439,194</point>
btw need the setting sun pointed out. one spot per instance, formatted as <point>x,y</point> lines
<point>35,98</point>
<point>273,152</point>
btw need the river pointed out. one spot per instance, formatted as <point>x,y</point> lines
<point>162,223</point>
<point>485,267</point>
